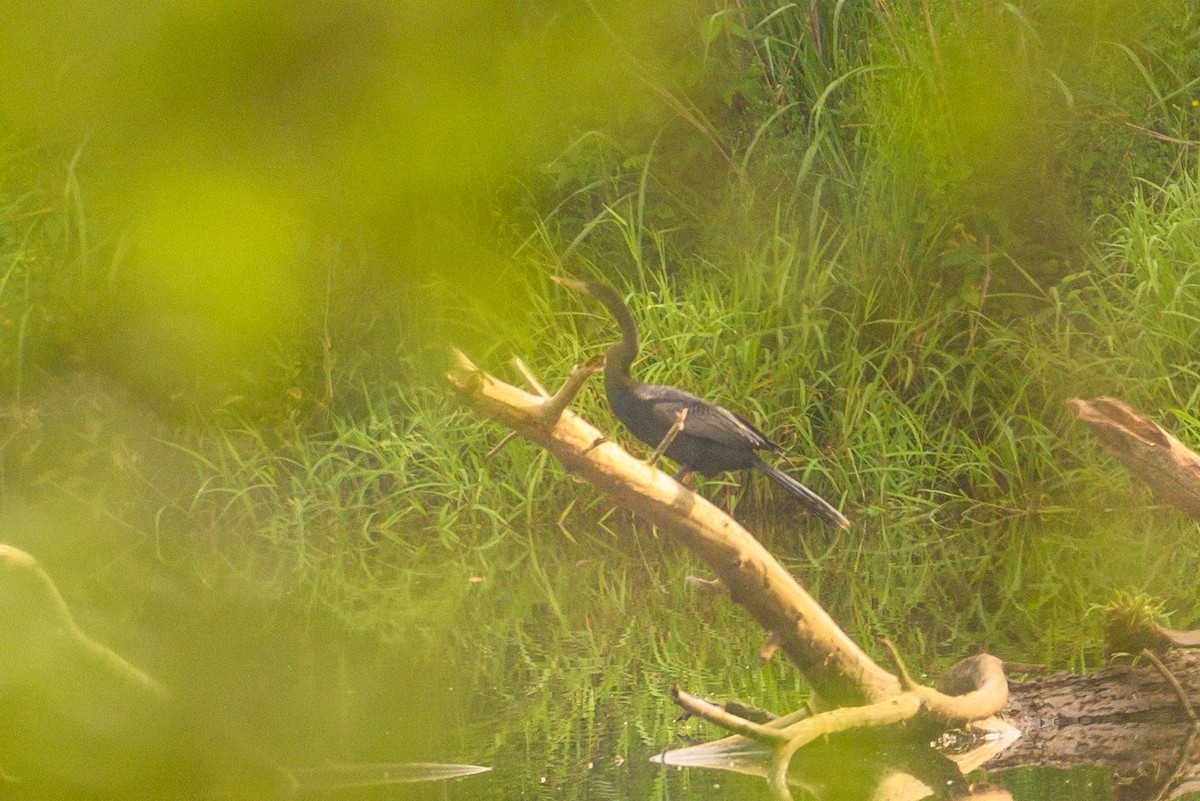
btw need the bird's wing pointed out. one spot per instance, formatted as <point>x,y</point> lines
<point>705,420</point>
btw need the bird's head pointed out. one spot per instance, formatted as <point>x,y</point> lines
<point>621,355</point>
<point>601,292</point>
<point>571,283</point>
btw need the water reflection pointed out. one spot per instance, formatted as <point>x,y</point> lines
<point>78,720</point>
<point>867,772</point>
<point>869,766</point>
<point>250,700</point>
<point>78,723</point>
<point>967,766</point>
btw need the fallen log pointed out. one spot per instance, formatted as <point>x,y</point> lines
<point>851,692</point>
<point>1134,720</point>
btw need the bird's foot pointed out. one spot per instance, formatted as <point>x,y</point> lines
<point>684,477</point>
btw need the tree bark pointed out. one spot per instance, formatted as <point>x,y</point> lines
<point>1127,718</point>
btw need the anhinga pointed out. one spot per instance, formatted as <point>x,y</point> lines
<point>712,439</point>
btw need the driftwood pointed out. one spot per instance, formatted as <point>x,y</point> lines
<point>1166,465</point>
<point>851,691</point>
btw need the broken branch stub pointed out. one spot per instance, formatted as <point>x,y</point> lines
<point>1166,465</point>
<point>972,689</point>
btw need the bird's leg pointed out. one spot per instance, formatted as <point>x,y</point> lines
<point>672,432</point>
<point>684,476</point>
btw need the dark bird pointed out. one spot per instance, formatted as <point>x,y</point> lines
<point>713,440</point>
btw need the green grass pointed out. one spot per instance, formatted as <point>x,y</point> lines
<point>922,237</point>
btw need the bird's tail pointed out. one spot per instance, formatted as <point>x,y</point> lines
<point>811,500</point>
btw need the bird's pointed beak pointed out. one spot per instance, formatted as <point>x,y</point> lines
<point>570,283</point>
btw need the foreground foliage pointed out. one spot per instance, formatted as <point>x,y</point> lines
<point>897,240</point>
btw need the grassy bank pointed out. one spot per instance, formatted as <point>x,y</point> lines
<point>896,237</point>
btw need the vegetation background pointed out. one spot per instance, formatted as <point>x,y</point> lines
<point>237,240</point>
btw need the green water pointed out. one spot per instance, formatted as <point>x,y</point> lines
<point>291,642</point>
<point>303,620</point>
<point>258,682</point>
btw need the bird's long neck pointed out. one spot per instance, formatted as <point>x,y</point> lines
<point>619,359</point>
